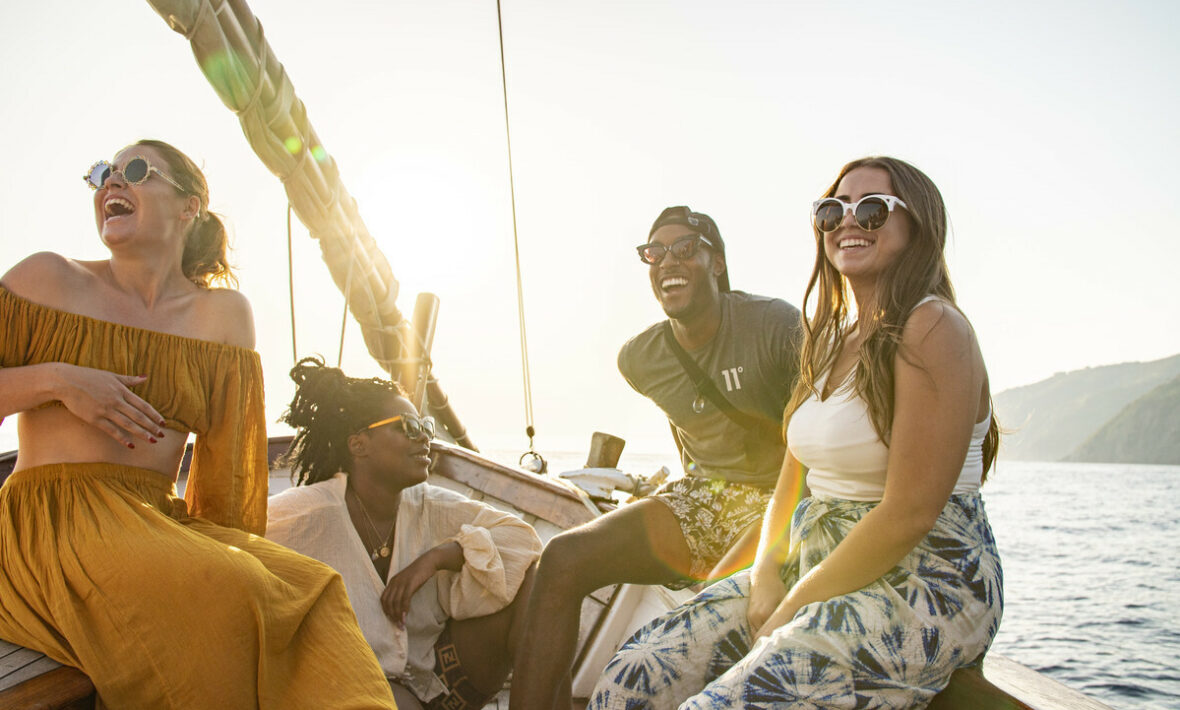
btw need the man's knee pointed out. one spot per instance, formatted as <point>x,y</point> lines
<point>640,544</point>
<point>563,565</point>
<point>521,599</point>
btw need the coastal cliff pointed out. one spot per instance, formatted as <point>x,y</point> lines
<point>1145,431</point>
<point>1124,413</point>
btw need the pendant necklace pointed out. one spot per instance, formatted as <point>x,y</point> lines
<point>698,404</point>
<point>386,548</point>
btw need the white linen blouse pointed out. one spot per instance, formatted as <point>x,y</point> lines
<point>497,550</point>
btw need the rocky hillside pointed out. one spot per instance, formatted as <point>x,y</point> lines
<point>1096,414</point>
<point>1145,431</point>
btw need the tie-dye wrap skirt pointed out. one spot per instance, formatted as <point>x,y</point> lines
<point>891,644</point>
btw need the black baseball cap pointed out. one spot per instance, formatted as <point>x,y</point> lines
<point>704,225</point>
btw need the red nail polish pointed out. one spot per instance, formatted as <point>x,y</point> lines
<point>131,446</point>
<point>152,439</point>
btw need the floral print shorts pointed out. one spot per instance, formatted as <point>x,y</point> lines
<point>712,514</point>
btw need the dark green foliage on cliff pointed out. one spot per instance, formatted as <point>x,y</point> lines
<point>1052,419</point>
<point>1146,431</point>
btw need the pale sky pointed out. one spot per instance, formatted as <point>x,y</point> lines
<point>1049,126</point>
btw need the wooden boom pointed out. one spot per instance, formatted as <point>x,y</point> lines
<point>231,50</point>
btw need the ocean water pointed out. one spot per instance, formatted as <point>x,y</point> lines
<point>1091,556</point>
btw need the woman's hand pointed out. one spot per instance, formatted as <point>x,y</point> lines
<point>395,600</point>
<point>105,401</point>
<point>783,613</point>
<point>766,592</point>
<point>766,586</point>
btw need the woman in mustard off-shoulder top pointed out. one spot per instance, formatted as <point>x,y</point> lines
<point>164,603</point>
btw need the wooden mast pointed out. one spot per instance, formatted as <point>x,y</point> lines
<point>231,50</point>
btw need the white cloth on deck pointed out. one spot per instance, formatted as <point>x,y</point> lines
<point>497,550</point>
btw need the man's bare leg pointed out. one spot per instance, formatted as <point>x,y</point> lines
<point>740,554</point>
<point>640,543</point>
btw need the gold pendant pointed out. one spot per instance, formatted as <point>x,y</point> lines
<point>698,405</point>
<point>385,551</point>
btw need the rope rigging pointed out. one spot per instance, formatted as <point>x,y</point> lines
<point>530,459</point>
<point>347,290</point>
<point>291,286</point>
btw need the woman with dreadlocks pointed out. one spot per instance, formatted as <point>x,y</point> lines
<point>434,577</point>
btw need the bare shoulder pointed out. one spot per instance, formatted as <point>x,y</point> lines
<point>936,331</point>
<point>230,316</point>
<point>45,277</point>
<point>936,322</point>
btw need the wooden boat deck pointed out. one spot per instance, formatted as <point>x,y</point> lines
<point>31,680</point>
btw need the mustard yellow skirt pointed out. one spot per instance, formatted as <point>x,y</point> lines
<point>101,568</point>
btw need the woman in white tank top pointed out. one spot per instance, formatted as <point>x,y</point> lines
<point>877,574</point>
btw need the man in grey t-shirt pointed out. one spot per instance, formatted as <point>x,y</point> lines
<point>705,523</point>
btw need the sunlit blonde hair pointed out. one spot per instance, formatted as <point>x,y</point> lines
<point>920,270</point>
<point>205,261</point>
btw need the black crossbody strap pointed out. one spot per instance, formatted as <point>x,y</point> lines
<point>705,386</point>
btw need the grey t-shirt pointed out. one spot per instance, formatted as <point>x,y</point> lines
<point>753,360</point>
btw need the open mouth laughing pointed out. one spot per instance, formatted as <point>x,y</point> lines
<point>117,207</point>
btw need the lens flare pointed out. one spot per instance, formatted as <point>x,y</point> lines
<point>319,153</point>
<point>293,145</point>
<point>225,70</point>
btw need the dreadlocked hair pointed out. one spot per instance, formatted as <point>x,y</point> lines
<point>328,407</point>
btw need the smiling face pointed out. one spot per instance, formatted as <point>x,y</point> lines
<point>860,256</point>
<point>386,453</point>
<point>685,288</point>
<point>153,209</point>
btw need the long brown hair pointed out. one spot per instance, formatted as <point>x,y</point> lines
<point>205,259</point>
<point>918,271</point>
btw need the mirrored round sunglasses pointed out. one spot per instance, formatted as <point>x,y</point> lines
<point>870,212</point>
<point>135,172</point>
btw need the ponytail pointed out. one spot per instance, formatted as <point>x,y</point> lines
<point>207,242</point>
<point>205,248</point>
